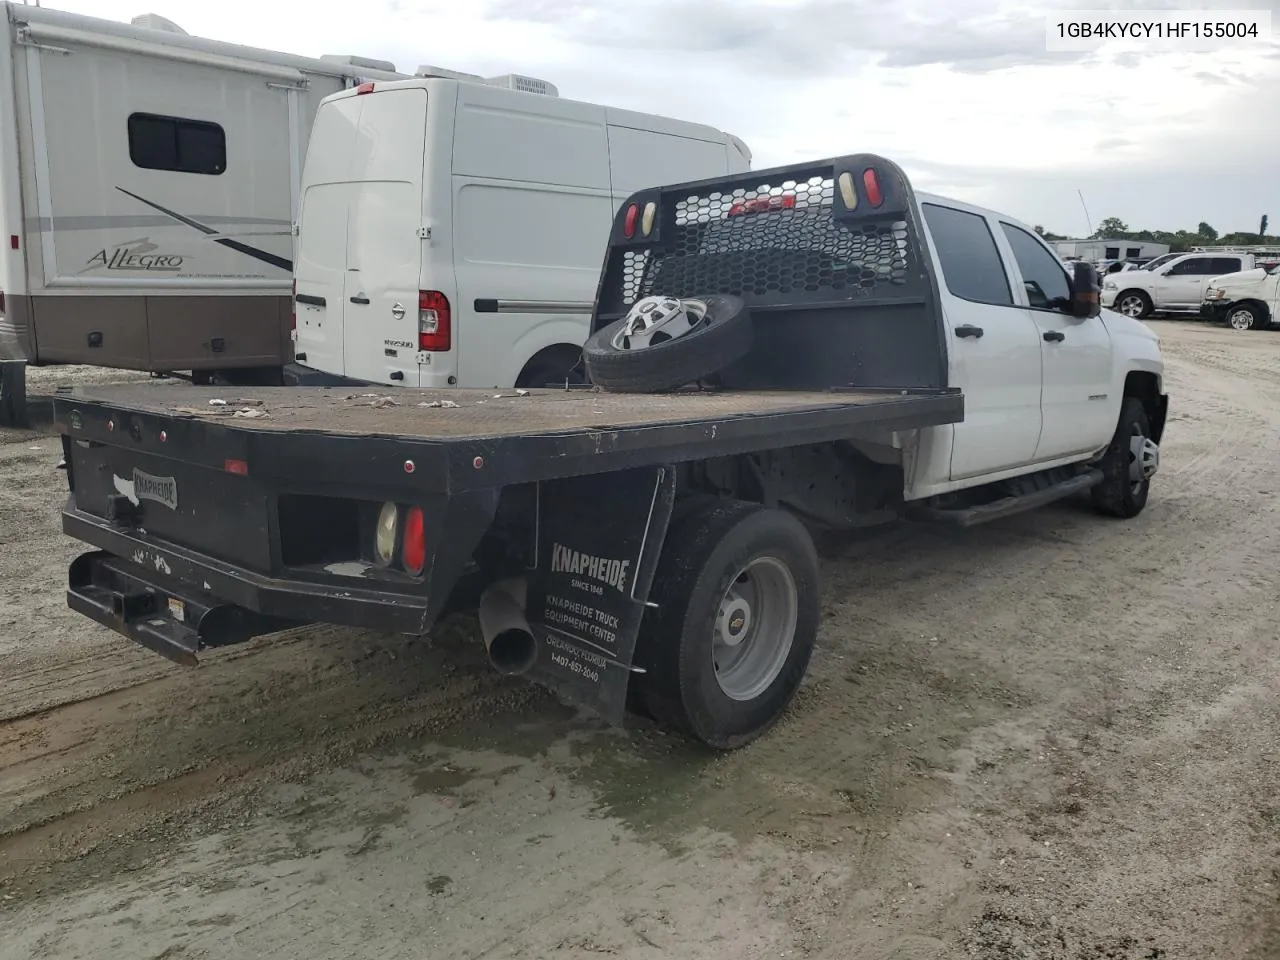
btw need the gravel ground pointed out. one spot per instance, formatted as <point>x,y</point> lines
<point>1051,738</point>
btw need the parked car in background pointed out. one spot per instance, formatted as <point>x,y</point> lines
<point>1248,300</point>
<point>1177,286</point>
<point>464,251</point>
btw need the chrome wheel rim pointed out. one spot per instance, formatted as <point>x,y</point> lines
<point>1240,320</point>
<point>755,628</point>
<point>1131,306</point>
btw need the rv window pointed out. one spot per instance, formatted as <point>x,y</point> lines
<point>172,143</point>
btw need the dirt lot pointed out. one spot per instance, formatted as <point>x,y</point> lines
<point>1055,737</point>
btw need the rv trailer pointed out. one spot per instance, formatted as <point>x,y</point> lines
<point>148,191</point>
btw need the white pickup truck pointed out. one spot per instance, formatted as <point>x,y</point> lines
<point>859,353</point>
<point>1175,286</point>
<point>1244,301</point>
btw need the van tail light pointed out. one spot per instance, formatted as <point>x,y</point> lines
<point>365,88</point>
<point>785,201</point>
<point>434,321</point>
<point>413,550</point>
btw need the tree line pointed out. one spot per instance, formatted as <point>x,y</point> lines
<point>1113,228</point>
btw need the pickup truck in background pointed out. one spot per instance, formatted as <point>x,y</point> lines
<point>1249,300</point>
<point>864,353</point>
<point>1175,286</point>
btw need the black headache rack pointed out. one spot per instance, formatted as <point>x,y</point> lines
<point>830,257</point>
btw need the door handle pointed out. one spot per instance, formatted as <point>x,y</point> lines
<point>968,330</point>
<point>359,299</point>
<point>1055,336</point>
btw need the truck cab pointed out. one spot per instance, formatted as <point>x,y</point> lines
<point>1249,300</point>
<point>1175,286</point>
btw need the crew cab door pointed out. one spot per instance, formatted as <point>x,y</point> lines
<point>1079,402</point>
<point>1183,285</point>
<point>994,348</point>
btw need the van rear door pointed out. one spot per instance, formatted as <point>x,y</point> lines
<point>320,265</point>
<point>384,251</point>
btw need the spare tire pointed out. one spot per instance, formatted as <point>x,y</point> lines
<point>723,337</point>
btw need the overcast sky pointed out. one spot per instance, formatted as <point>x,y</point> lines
<point>962,93</point>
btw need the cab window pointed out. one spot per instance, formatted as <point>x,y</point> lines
<point>1042,275</point>
<point>971,264</point>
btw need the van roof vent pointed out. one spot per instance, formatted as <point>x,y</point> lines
<point>427,71</point>
<point>515,81</point>
<point>153,21</point>
<point>351,60</point>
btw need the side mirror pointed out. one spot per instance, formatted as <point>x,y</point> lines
<point>1086,291</point>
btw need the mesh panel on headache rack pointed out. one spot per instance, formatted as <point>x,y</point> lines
<point>771,243</point>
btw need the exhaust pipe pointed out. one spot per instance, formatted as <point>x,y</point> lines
<point>507,636</point>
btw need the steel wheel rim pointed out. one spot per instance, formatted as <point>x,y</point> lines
<point>1131,306</point>
<point>755,628</point>
<point>1240,320</point>
<point>1138,442</point>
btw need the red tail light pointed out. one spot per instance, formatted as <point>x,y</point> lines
<point>240,467</point>
<point>763,204</point>
<point>414,548</point>
<point>365,88</point>
<point>629,222</point>
<point>434,321</point>
<point>872,185</point>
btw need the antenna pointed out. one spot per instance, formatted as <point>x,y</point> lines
<point>1088,223</point>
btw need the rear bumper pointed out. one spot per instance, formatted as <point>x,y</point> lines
<point>296,375</point>
<point>219,603</point>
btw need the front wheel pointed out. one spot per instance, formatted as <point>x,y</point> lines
<point>1128,465</point>
<point>735,625</point>
<point>1244,316</point>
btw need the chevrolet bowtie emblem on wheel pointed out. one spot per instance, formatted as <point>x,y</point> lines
<point>398,311</point>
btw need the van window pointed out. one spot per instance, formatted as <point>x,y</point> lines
<point>176,144</point>
<point>971,263</point>
<point>1042,275</point>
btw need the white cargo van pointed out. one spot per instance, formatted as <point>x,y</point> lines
<point>451,226</point>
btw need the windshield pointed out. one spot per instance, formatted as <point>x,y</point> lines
<point>1159,261</point>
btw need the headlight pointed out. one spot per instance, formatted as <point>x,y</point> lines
<point>1213,293</point>
<point>384,536</point>
<point>1108,285</point>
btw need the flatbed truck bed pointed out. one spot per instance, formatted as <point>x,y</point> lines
<point>520,436</point>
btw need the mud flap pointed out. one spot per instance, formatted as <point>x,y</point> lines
<point>598,543</point>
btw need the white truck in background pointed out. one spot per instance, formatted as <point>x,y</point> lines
<point>1175,286</point>
<point>451,226</point>
<point>1249,300</point>
<point>148,183</point>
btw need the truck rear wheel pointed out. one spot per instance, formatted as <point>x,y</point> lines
<point>1128,465</point>
<point>736,622</point>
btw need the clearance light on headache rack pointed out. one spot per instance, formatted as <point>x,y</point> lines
<point>629,221</point>
<point>785,201</point>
